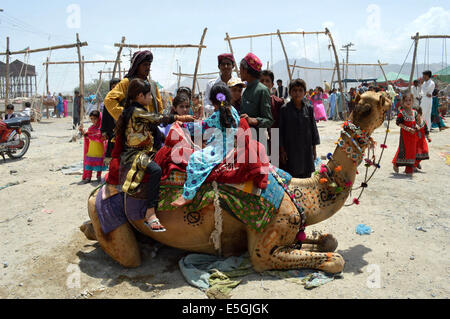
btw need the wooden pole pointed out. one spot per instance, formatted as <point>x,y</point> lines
<point>285,55</point>
<point>118,57</point>
<point>271,34</point>
<point>76,62</point>
<point>198,60</point>
<point>416,43</point>
<point>80,68</point>
<point>337,67</point>
<point>149,46</point>
<point>312,68</point>
<point>179,76</point>
<point>66,46</point>
<point>382,70</point>
<point>293,67</point>
<point>236,69</point>
<point>7,73</point>
<point>46,86</point>
<point>98,90</point>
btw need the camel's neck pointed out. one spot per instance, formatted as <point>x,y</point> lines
<point>327,207</point>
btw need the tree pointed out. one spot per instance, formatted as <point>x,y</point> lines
<point>91,89</point>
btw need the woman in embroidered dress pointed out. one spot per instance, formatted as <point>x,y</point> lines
<point>94,149</point>
<point>137,129</point>
<point>423,135</point>
<point>406,120</point>
<point>225,120</point>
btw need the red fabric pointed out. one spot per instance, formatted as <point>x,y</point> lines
<point>242,170</point>
<point>276,105</point>
<point>226,56</point>
<point>112,177</point>
<point>422,146</point>
<point>406,152</point>
<point>253,61</point>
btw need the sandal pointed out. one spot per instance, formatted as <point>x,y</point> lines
<point>157,223</point>
<point>396,169</point>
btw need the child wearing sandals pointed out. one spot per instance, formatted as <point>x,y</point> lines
<point>138,130</point>
<point>407,149</point>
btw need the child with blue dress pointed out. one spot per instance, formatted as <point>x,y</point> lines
<point>224,123</point>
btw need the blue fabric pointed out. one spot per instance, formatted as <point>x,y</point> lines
<point>110,212</point>
<point>202,162</point>
<point>362,229</point>
<point>274,192</point>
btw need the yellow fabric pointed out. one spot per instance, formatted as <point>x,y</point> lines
<point>95,149</point>
<point>113,98</point>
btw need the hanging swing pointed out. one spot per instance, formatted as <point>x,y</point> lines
<point>320,61</point>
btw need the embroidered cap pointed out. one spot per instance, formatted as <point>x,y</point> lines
<point>253,61</point>
<point>226,56</point>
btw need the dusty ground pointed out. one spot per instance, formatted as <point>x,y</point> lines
<point>43,252</point>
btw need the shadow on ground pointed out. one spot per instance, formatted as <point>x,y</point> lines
<point>161,272</point>
<point>354,261</point>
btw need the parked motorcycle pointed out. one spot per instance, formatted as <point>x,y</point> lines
<point>14,137</point>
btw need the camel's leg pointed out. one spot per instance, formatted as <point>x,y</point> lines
<point>321,243</point>
<point>120,244</point>
<point>272,249</point>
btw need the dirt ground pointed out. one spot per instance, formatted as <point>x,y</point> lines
<point>44,254</point>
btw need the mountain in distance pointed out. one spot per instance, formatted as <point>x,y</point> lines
<point>315,78</point>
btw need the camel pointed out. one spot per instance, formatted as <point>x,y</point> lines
<point>276,247</point>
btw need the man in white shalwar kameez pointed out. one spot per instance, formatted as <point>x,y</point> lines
<point>427,97</point>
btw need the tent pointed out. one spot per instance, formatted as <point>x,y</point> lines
<point>443,75</point>
<point>400,80</point>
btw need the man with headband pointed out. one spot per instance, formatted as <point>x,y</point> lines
<point>226,64</point>
<point>140,68</point>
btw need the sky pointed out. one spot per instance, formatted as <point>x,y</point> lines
<point>379,29</point>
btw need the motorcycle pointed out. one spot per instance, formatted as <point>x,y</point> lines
<point>14,137</point>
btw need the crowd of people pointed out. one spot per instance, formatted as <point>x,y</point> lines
<point>118,136</point>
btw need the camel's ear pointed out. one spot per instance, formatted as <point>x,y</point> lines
<point>357,98</point>
<point>381,101</point>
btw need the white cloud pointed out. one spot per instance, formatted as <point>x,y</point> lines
<point>379,41</point>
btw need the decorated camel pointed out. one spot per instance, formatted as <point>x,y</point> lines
<point>212,230</point>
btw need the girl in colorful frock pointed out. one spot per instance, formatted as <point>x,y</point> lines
<point>94,149</point>
<point>407,149</point>
<point>225,121</point>
<point>137,129</point>
<point>423,135</point>
<point>319,108</point>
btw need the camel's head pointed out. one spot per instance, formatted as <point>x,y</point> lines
<point>370,110</point>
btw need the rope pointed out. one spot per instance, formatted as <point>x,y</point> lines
<point>271,53</point>
<point>398,74</point>
<point>218,220</point>
<point>366,180</point>
<point>320,61</point>
<point>304,46</point>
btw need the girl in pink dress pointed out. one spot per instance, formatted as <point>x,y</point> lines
<point>319,108</point>
<point>65,106</point>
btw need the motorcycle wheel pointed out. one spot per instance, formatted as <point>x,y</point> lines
<point>25,137</point>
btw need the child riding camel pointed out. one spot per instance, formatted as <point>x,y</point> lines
<point>138,130</point>
<point>225,120</point>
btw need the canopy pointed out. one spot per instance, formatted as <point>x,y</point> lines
<point>393,76</point>
<point>443,75</point>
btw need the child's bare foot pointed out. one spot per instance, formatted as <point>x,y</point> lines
<point>396,169</point>
<point>181,201</point>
